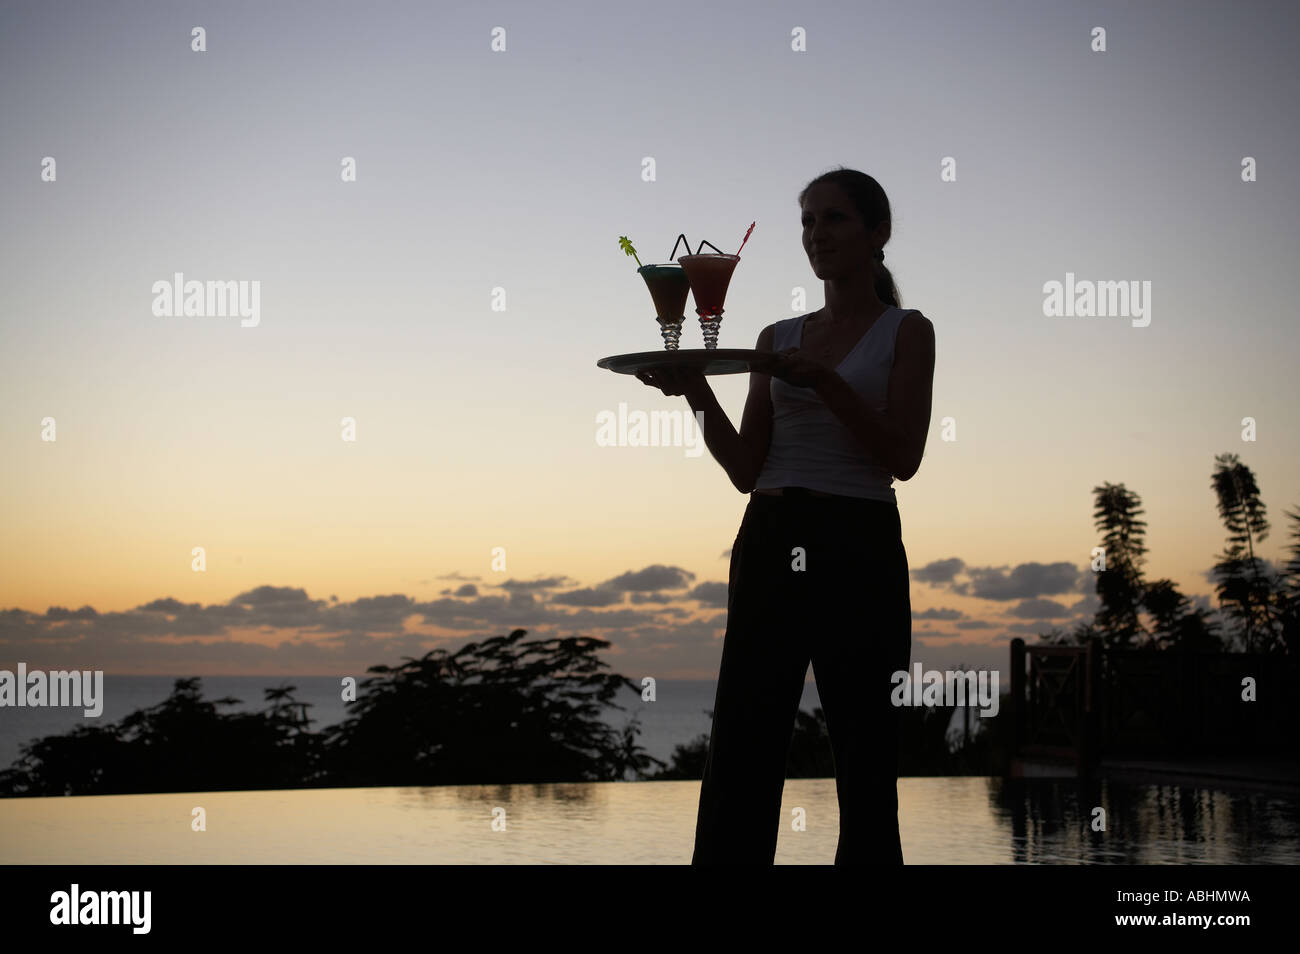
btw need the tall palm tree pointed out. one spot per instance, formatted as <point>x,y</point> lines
<point>1289,587</point>
<point>1247,594</point>
<point>1120,585</point>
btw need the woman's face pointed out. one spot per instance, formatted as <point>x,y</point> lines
<point>834,236</point>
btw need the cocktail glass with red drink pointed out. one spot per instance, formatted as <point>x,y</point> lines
<point>709,276</point>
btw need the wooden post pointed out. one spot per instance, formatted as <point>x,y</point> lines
<point>1092,703</point>
<point>1017,696</point>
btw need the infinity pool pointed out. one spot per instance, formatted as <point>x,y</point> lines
<point>960,820</point>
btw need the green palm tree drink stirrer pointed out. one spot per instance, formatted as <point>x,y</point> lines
<point>668,290</point>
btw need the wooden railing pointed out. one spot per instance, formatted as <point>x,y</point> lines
<point>1082,703</point>
<point>1052,701</point>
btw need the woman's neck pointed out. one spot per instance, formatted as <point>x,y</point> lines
<point>851,298</point>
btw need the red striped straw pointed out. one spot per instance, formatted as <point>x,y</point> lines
<point>746,238</point>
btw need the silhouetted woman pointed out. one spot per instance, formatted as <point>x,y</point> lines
<point>818,570</point>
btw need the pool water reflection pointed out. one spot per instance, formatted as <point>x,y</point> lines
<point>959,820</point>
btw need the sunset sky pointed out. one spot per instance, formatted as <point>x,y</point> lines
<point>518,170</point>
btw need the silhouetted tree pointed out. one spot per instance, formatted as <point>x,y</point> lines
<point>1248,595</point>
<point>809,755</point>
<point>636,758</point>
<point>924,746</point>
<point>687,760</point>
<point>282,702</point>
<point>1119,585</point>
<point>1266,606</point>
<point>1289,588</point>
<point>1078,636</point>
<point>499,711</point>
<point>182,744</point>
<point>1177,625</point>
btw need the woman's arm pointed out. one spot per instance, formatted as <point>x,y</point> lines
<point>896,437</point>
<point>741,455</point>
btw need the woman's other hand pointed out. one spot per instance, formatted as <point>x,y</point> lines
<point>794,367</point>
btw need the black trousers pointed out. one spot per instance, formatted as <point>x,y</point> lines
<point>848,612</point>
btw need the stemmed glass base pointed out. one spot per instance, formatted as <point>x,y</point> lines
<point>709,325</point>
<point>672,332</point>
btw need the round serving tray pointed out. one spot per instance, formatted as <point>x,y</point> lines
<point>710,361</point>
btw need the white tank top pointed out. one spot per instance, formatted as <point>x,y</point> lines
<point>813,448</point>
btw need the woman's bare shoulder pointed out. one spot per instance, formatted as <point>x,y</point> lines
<point>767,336</point>
<point>916,335</point>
